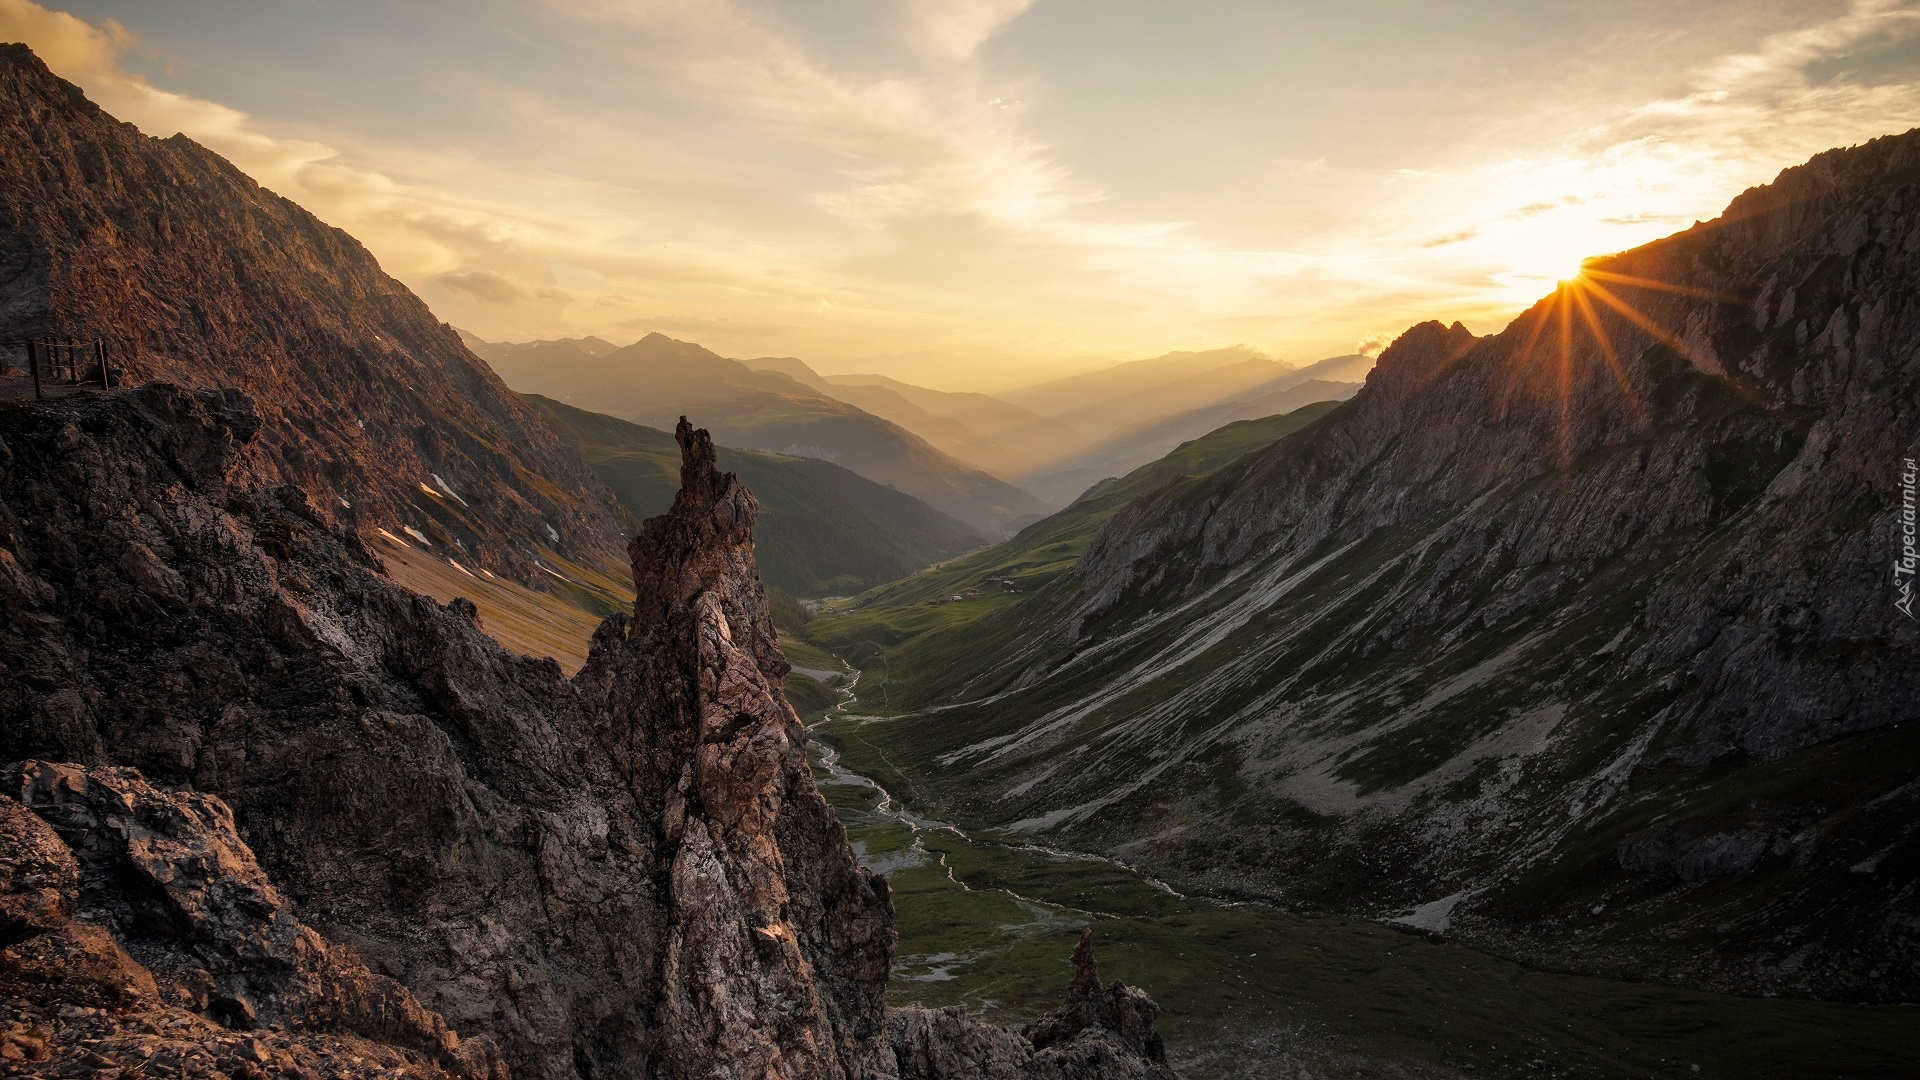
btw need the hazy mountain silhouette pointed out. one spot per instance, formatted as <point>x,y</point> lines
<point>1099,403</point>
<point>1128,449</point>
<point>823,530</point>
<point>658,379</point>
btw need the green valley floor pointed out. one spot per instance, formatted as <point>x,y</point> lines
<point>1250,991</point>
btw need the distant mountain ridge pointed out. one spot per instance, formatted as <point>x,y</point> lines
<point>1131,446</point>
<point>823,529</point>
<point>658,379</point>
<point>1099,403</point>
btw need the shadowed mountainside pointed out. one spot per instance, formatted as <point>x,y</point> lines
<point>897,613</point>
<point>195,274</point>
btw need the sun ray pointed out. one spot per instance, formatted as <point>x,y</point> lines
<point>1517,370</point>
<point>1660,334</point>
<point>1565,329</point>
<point>1605,343</point>
<point>1630,281</point>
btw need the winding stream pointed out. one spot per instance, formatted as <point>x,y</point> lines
<point>1249,991</point>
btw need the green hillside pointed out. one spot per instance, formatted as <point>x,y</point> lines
<point>823,530</point>
<point>894,614</point>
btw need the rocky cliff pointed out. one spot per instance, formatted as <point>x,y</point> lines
<point>195,274</point>
<point>626,873</point>
<point>1581,640</point>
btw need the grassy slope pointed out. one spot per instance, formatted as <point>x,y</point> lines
<point>872,629</point>
<point>823,529</point>
<point>555,624</point>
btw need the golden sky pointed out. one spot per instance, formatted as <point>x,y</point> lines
<point>974,194</point>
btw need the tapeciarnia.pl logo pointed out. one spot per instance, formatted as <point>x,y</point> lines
<point>1903,564</point>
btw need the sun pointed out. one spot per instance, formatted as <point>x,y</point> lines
<point>1577,275</point>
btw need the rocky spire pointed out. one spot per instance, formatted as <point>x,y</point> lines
<point>1116,1011</point>
<point>776,944</point>
<point>1086,970</point>
<point>704,544</point>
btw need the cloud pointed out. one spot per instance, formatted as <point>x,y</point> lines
<point>1510,228</point>
<point>1371,344</point>
<point>955,29</point>
<point>418,231</point>
<point>493,288</point>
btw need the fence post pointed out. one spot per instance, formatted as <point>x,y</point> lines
<point>106,381</point>
<point>33,362</point>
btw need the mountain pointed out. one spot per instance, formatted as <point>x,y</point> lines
<point>998,436</point>
<point>1349,368</point>
<point>657,379</point>
<point>1098,403</point>
<point>1128,449</point>
<point>984,580</point>
<point>295,803</point>
<point>792,367</point>
<point>823,530</point>
<point>491,351</point>
<point>1583,642</point>
<point>194,274</point>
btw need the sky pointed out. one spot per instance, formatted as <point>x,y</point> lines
<point>979,194</point>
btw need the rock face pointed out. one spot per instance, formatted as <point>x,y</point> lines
<point>195,274</point>
<point>626,873</point>
<point>1587,632</point>
<point>133,917</point>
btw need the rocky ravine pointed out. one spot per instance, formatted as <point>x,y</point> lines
<point>197,275</point>
<point>629,873</point>
<point>1579,640</point>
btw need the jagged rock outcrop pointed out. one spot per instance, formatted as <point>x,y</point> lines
<point>1581,640</point>
<point>775,945</point>
<point>626,873</point>
<point>195,274</point>
<point>138,929</point>
<point>1101,1032</point>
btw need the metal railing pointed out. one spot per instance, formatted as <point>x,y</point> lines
<point>49,360</point>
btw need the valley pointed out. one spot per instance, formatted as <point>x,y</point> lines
<point>1570,641</point>
<point>1253,991</point>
